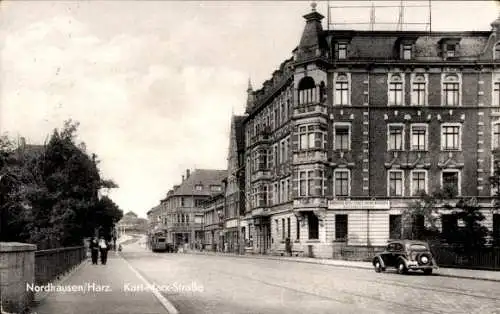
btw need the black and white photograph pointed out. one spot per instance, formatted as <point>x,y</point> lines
<point>249,157</point>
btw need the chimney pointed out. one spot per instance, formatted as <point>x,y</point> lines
<point>187,173</point>
<point>182,178</point>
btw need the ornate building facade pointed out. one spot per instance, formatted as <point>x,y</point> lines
<point>357,124</point>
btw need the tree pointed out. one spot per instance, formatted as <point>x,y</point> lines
<point>49,195</point>
<point>470,234</point>
<point>421,216</point>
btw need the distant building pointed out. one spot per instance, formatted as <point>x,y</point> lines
<point>182,209</point>
<point>131,223</point>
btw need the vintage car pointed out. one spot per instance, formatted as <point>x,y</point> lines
<point>406,255</point>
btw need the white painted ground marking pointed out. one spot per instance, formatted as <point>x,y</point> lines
<point>166,303</point>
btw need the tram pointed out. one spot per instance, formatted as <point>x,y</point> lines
<point>158,242</point>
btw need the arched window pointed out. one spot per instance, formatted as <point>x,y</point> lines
<point>418,90</point>
<point>395,90</point>
<point>451,90</point>
<point>308,92</point>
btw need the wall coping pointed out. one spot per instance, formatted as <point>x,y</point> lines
<point>16,247</point>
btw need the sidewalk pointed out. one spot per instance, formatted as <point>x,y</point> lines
<point>446,272</point>
<point>102,289</point>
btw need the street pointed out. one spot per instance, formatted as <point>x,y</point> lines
<point>221,284</point>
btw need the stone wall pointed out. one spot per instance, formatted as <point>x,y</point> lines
<point>17,270</point>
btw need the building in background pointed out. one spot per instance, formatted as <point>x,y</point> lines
<point>182,210</point>
<point>213,223</point>
<point>235,229</point>
<point>357,124</point>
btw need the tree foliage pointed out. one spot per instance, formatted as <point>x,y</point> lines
<point>49,194</point>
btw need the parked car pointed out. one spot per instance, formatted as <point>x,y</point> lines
<point>406,255</point>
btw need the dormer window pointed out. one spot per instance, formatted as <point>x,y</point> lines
<point>341,51</point>
<point>198,187</point>
<point>449,47</point>
<point>407,52</point>
<point>450,51</point>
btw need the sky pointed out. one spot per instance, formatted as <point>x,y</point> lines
<point>153,84</point>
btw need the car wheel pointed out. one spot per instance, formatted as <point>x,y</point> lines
<point>402,268</point>
<point>428,271</point>
<point>378,267</point>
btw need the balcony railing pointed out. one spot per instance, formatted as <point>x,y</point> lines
<point>50,264</point>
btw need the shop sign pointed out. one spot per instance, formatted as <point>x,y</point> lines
<point>232,223</point>
<point>365,204</point>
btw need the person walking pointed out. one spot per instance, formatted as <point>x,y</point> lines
<point>94,250</point>
<point>103,248</point>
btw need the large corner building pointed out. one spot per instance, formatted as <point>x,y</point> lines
<point>356,124</point>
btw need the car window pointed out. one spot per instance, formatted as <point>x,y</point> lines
<point>394,247</point>
<point>418,247</point>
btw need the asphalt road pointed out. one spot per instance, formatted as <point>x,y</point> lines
<point>221,284</point>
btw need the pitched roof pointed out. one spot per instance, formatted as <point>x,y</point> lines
<point>240,132</point>
<point>204,177</point>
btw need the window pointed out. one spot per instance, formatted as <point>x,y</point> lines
<point>313,224</point>
<point>323,182</point>
<point>418,91</point>
<point>341,227</point>
<point>341,97</point>
<point>418,182</point>
<point>302,183</point>
<point>306,183</point>
<point>496,94</point>
<point>394,226</point>
<point>277,226</point>
<point>418,137</point>
<point>310,183</point>
<point>406,52</point>
<point>283,153</point>
<point>451,90</point>
<point>275,149</point>
<point>341,183</point>
<point>450,137</point>
<point>450,51</point>
<point>311,137</point>
<point>341,51</point>
<point>342,137</point>
<point>286,197</point>
<point>395,183</point>
<point>275,193</point>
<point>395,137</point>
<point>199,187</point>
<point>262,162</point>
<point>308,91</point>
<point>283,228</point>
<point>450,182</point>
<point>395,90</point>
<point>288,229</point>
<point>495,136</point>
<point>298,227</point>
<point>182,202</point>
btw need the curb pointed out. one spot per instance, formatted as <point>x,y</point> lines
<point>320,262</point>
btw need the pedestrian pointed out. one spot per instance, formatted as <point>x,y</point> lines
<point>103,248</point>
<point>94,250</point>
